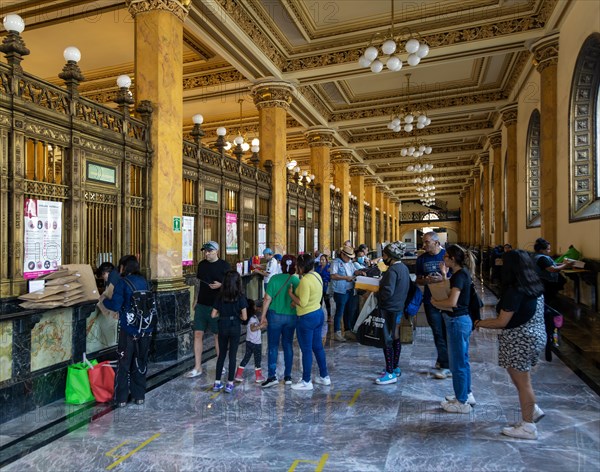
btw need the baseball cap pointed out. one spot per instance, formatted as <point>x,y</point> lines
<point>210,246</point>
<point>268,251</point>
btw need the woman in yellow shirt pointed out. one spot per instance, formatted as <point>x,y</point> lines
<point>307,301</point>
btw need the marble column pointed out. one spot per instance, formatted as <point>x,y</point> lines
<point>357,184</point>
<point>320,140</point>
<point>382,214</point>
<point>509,118</point>
<point>272,99</point>
<point>546,58</point>
<point>371,198</point>
<point>461,226</point>
<point>468,215</point>
<point>158,78</point>
<point>477,206</point>
<point>341,159</point>
<point>484,163</point>
<point>495,140</point>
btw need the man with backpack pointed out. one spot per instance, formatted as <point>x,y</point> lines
<point>134,301</point>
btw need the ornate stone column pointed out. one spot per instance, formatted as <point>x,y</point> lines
<point>476,206</point>
<point>545,53</point>
<point>461,226</point>
<point>495,140</point>
<point>158,78</point>
<point>468,215</point>
<point>382,211</point>
<point>371,198</point>
<point>357,183</point>
<point>320,140</point>
<point>509,118</point>
<point>484,165</point>
<point>272,99</point>
<point>341,159</point>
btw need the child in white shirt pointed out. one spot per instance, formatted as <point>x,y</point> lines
<point>253,345</point>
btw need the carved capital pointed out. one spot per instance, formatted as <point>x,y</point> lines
<point>179,8</point>
<point>509,114</point>
<point>371,181</point>
<point>271,93</point>
<point>341,155</point>
<point>484,158</point>
<point>495,139</point>
<point>319,136</point>
<point>358,169</point>
<point>545,52</point>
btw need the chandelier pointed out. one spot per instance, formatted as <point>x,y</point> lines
<point>419,165</point>
<point>239,145</point>
<point>416,149</point>
<point>416,50</point>
<point>408,118</point>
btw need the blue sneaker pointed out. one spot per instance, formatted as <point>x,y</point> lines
<point>386,379</point>
<point>217,387</point>
<point>397,372</point>
<point>229,388</point>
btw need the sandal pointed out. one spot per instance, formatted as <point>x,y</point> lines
<point>193,373</point>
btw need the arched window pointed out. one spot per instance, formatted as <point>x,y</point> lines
<point>533,170</point>
<point>584,181</point>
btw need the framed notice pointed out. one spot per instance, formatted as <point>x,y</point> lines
<point>262,237</point>
<point>187,241</point>
<point>211,196</point>
<point>42,237</point>
<point>231,233</point>
<point>101,173</point>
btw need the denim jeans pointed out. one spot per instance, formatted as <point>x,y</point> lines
<point>309,337</point>
<point>351,311</point>
<point>459,331</point>
<point>438,328</point>
<point>280,327</point>
<point>341,300</point>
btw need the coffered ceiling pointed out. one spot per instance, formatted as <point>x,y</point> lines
<point>478,60</point>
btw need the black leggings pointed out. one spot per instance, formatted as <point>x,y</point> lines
<point>255,349</point>
<point>228,341</point>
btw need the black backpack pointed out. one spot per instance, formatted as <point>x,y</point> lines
<point>142,313</point>
<point>475,305</point>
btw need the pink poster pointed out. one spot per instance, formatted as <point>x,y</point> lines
<point>231,233</point>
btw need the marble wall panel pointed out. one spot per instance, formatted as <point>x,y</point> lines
<point>101,332</point>
<point>51,338</point>
<point>6,334</point>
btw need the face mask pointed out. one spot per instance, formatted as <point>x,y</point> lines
<point>361,260</point>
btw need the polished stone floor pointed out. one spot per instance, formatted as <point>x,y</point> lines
<point>353,425</point>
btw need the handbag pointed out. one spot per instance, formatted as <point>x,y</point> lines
<point>374,331</point>
<point>77,389</point>
<point>102,381</point>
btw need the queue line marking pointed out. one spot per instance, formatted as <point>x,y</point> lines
<point>129,454</point>
<point>320,464</point>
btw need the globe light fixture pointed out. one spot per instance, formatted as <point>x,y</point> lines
<point>408,118</point>
<point>13,22</point>
<point>417,49</point>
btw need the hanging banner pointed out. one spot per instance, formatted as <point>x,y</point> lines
<point>262,237</point>
<point>42,237</point>
<point>301,240</point>
<point>187,241</point>
<point>316,240</point>
<point>231,236</point>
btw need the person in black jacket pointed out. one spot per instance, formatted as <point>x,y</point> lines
<point>391,298</point>
<point>133,345</point>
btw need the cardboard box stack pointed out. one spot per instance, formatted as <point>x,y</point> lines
<point>69,285</point>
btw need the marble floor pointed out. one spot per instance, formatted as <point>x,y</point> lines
<point>353,425</point>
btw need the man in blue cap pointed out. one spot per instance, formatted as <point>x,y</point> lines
<point>272,268</point>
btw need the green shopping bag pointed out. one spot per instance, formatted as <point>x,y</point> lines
<point>77,390</point>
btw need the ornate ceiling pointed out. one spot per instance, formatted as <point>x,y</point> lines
<point>479,58</point>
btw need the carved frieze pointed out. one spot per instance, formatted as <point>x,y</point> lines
<point>101,148</point>
<point>46,132</point>
<point>142,6</point>
<point>212,79</point>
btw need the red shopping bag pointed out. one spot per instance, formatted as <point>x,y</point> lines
<point>102,381</point>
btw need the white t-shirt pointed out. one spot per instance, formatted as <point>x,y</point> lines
<point>272,269</point>
<point>254,337</point>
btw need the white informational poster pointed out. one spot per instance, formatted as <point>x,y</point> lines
<point>42,237</point>
<point>301,240</point>
<point>316,240</point>
<point>262,237</point>
<point>187,241</point>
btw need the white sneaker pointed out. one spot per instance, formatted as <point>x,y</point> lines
<point>442,374</point>
<point>470,399</point>
<point>193,373</point>
<point>457,407</point>
<point>538,413</point>
<point>522,431</point>
<point>323,380</point>
<point>302,385</point>
<point>338,337</point>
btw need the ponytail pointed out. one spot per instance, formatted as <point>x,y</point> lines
<point>463,257</point>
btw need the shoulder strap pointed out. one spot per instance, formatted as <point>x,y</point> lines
<point>318,278</point>
<point>130,284</point>
<point>281,288</point>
